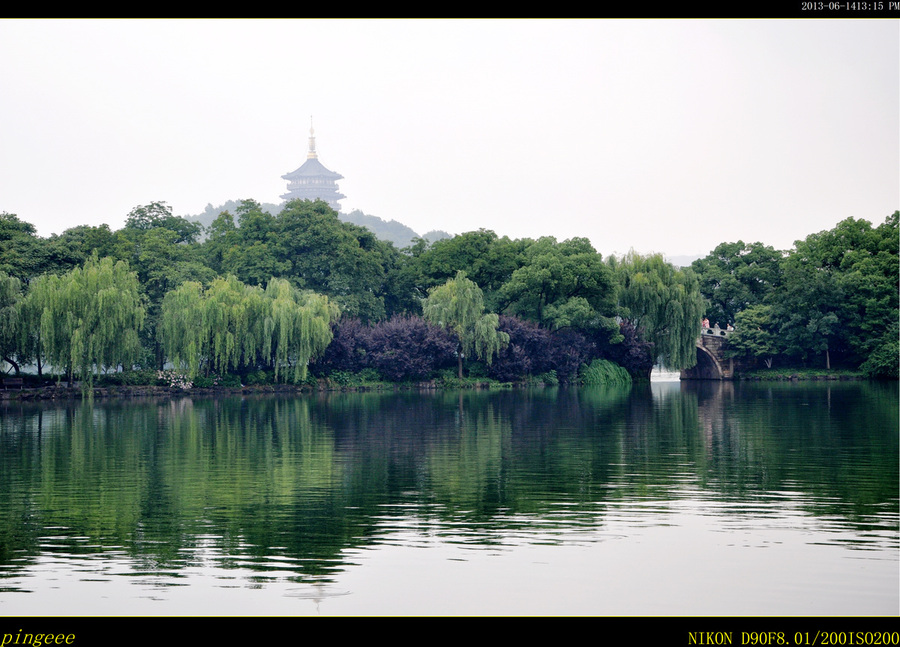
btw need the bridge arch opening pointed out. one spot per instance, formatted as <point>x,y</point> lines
<point>706,368</point>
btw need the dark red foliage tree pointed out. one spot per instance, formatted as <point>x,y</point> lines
<point>410,348</point>
<point>634,353</point>
<point>348,349</point>
<point>528,352</point>
<point>569,349</point>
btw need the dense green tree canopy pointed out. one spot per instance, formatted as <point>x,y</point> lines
<point>22,252</point>
<point>735,276</point>
<point>162,249</point>
<point>487,259</point>
<point>76,245</point>
<point>840,292</point>
<point>159,215</point>
<point>343,261</point>
<point>249,249</point>
<point>754,336</point>
<point>835,300</point>
<point>560,285</point>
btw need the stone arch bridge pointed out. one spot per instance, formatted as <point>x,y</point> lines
<point>711,361</point>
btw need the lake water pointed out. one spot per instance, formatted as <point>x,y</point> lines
<point>693,498</point>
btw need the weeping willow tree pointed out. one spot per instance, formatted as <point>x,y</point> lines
<point>232,325</point>
<point>664,303</point>
<point>458,305</point>
<point>300,326</point>
<point>90,318</point>
<point>180,329</point>
<point>30,347</point>
<point>10,307</point>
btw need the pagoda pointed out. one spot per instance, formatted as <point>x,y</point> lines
<point>312,180</point>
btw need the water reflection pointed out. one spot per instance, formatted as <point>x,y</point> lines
<point>267,492</point>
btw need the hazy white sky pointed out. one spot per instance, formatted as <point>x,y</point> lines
<point>657,135</point>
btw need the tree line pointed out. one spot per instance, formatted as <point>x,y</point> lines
<point>275,297</point>
<point>831,301</point>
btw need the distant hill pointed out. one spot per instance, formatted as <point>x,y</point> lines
<point>388,230</point>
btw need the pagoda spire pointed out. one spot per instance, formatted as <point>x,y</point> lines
<point>311,155</point>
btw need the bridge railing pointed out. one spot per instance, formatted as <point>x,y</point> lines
<point>715,331</point>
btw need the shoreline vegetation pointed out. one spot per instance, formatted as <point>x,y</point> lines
<point>302,298</point>
<point>42,389</point>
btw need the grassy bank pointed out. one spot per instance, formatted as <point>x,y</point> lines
<point>782,374</point>
<point>149,383</point>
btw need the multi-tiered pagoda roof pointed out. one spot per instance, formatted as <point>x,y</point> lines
<point>313,181</point>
